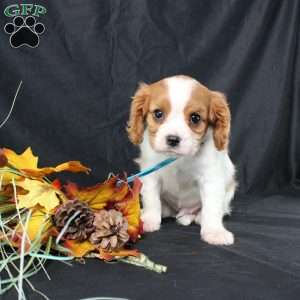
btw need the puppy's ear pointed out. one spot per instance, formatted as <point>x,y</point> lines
<point>219,117</point>
<point>138,111</point>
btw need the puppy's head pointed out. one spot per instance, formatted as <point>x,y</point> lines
<point>177,112</point>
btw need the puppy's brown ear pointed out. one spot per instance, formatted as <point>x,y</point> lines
<point>219,117</point>
<point>138,111</point>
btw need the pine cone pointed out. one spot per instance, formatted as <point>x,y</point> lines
<point>110,230</point>
<point>81,226</point>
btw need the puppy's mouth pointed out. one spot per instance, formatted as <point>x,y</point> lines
<point>172,152</point>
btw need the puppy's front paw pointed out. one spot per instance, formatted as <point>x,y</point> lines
<point>151,221</point>
<point>217,236</point>
<point>185,220</point>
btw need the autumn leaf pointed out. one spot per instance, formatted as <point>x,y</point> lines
<point>106,255</point>
<point>39,224</point>
<point>25,160</point>
<point>71,166</point>
<point>131,210</point>
<point>79,249</point>
<point>100,195</point>
<point>3,159</point>
<point>38,228</point>
<point>42,193</point>
<point>8,190</point>
<point>121,197</point>
<point>18,161</point>
<point>27,163</point>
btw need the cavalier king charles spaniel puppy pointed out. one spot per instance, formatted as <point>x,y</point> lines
<point>180,117</point>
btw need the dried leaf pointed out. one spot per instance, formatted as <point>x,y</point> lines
<point>79,249</point>
<point>27,163</point>
<point>117,254</point>
<point>71,166</point>
<point>37,221</point>
<point>39,227</point>
<point>40,193</point>
<point>131,210</point>
<point>18,161</point>
<point>25,160</point>
<point>100,195</point>
<point>3,159</point>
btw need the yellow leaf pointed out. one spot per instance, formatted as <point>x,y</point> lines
<point>27,163</point>
<point>40,193</point>
<point>38,228</point>
<point>39,225</point>
<point>24,160</point>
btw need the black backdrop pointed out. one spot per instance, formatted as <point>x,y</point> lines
<point>74,105</point>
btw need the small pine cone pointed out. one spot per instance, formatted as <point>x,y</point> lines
<point>81,226</point>
<point>110,230</point>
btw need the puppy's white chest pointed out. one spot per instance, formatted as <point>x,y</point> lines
<point>179,188</point>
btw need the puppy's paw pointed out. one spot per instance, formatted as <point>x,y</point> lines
<point>185,220</point>
<point>217,236</point>
<point>151,221</point>
<point>198,219</point>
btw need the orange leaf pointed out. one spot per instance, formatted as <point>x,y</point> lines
<point>100,195</point>
<point>3,159</point>
<point>105,255</point>
<point>8,190</point>
<point>79,249</point>
<point>131,210</point>
<point>71,166</point>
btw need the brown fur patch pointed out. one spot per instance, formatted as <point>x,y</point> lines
<point>219,116</point>
<point>198,103</point>
<point>146,100</point>
<point>158,100</point>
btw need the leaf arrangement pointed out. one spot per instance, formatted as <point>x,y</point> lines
<point>42,219</point>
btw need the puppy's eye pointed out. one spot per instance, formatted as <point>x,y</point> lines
<point>195,118</point>
<point>158,114</point>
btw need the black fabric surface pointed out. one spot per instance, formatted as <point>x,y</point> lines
<point>74,104</point>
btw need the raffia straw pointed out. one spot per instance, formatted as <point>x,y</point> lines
<point>7,269</point>
<point>36,290</point>
<point>20,281</point>
<point>1,179</point>
<point>66,226</point>
<point>12,106</point>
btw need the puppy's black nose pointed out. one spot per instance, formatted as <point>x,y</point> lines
<point>173,140</point>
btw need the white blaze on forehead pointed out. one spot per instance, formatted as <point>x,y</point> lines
<point>179,90</point>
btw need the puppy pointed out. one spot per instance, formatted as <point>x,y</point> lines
<point>178,116</point>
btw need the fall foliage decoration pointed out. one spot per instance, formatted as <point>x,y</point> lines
<point>42,220</point>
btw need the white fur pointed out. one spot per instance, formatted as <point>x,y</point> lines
<point>198,186</point>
